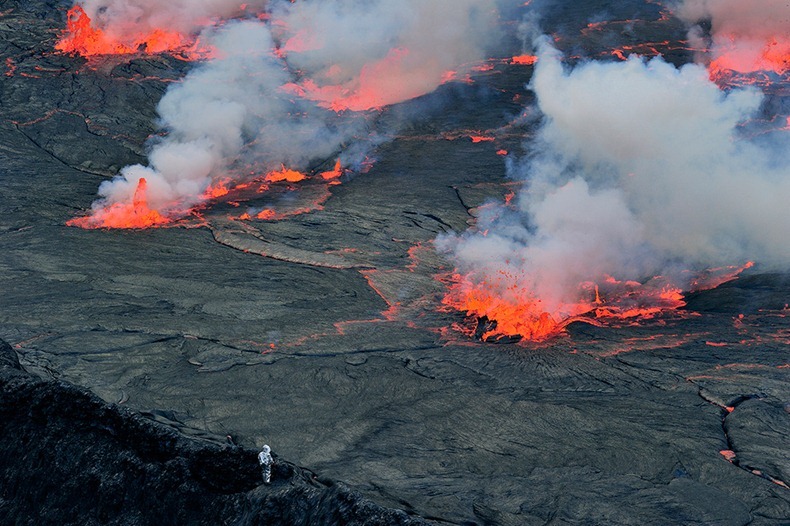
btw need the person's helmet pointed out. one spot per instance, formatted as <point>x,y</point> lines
<point>266,449</point>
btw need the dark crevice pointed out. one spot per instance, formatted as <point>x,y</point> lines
<point>726,411</point>
<point>461,200</point>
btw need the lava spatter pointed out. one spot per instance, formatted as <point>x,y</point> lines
<point>83,38</point>
<point>136,214</point>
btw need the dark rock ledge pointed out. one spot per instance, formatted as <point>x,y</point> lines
<point>68,458</point>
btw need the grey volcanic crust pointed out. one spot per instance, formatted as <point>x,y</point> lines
<point>323,334</point>
<point>70,458</point>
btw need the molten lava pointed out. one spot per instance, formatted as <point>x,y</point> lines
<point>524,60</point>
<point>267,213</point>
<point>375,86</point>
<point>481,138</point>
<point>334,173</point>
<point>285,174</point>
<point>517,311</point>
<point>136,214</point>
<point>742,62</point>
<point>217,190</point>
<point>83,38</point>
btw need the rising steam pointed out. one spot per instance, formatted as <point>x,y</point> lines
<point>639,175</point>
<point>367,55</point>
<point>267,97</point>
<point>744,36</point>
<point>124,20</point>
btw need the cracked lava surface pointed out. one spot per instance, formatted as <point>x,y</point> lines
<point>321,333</point>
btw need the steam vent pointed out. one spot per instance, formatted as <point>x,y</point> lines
<point>473,262</point>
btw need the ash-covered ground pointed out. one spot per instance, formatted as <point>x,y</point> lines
<point>322,334</point>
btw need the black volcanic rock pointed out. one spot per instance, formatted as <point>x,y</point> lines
<point>324,335</point>
<point>69,458</point>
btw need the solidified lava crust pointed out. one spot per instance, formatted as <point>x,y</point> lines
<point>136,352</point>
<point>71,459</point>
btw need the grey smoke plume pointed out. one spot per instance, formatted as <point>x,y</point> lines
<point>746,32</point>
<point>638,170</point>
<point>264,98</point>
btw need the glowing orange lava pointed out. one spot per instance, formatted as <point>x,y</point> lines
<point>389,80</point>
<point>268,213</point>
<point>524,319</point>
<point>82,38</point>
<point>481,138</point>
<point>216,190</point>
<point>136,214</point>
<point>524,60</point>
<point>712,278</point>
<point>334,173</point>
<point>517,311</point>
<point>285,174</point>
<point>733,57</point>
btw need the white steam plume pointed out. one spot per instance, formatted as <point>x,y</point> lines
<point>126,19</point>
<point>364,55</point>
<point>250,103</point>
<point>753,35</point>
<point>638,171</point>
<point>227,103</point>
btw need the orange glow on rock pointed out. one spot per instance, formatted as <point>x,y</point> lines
<point>518,312</point>
<point>524,319</point>
<point>369,89</point>
<point>734,57</point>
<point>712,278</point>
<point>285,174</point>
<point>334,173</point>
<point>728,454</point>
<point>481,138</point>
<point>136,214</point>
<point>82,38</point>
<point>217,190</point>
<point>524,60</point>
<point>268,213</point>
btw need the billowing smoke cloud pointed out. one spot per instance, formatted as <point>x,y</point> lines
<point>638,171</point>
<point>124,20</point>
<point>745,36</point>
<point>266,96</point>
<point>371,54</point>
<point>230,103</point>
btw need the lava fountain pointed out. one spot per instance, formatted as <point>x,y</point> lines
<point>136,214</point>
<point>83,38</point>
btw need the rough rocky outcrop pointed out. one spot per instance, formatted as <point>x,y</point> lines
<point>323,334</point>
<point>69,458</point>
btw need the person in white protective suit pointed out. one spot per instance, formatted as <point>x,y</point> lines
<point>265,460</point>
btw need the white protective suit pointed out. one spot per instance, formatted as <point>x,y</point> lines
<point>265,460</point>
